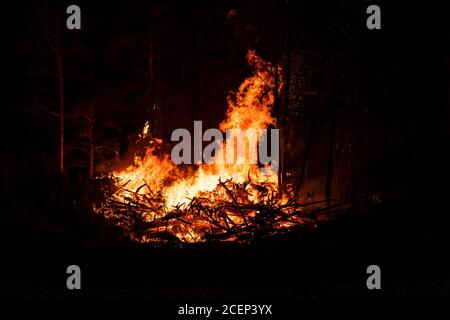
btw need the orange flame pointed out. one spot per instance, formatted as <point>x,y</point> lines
<point>248,108</point>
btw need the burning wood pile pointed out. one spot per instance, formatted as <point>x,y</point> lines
<point>155,199</point>
<point>226,213</point>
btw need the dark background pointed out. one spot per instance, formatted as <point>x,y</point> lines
<point>393,93</point>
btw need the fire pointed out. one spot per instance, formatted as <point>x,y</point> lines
<point>251,106</point>
<point>145,131</point>
<point>165,189</point>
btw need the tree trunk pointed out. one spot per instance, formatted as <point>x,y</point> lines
<point>311,133</point>
<point>285,108</point>
<point>91,140</point>
<point>91,116</point>
<point>60,72</point>
<point>276,102</point>
<point>151,88</point>
<point>276,106</point>
<point>332,140</point>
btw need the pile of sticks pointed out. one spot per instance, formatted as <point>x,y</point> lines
<point>228,213</point>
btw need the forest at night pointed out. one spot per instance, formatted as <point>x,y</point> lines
<point>358,124</point>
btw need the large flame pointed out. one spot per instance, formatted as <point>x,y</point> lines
<point>249,107</point>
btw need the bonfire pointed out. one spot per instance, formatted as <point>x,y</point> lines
<point>154,199</point>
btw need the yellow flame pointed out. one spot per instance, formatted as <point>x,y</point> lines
<point>248,108</point>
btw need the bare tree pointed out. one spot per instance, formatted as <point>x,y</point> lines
<point>60,71</point>
<point>54,40</point>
